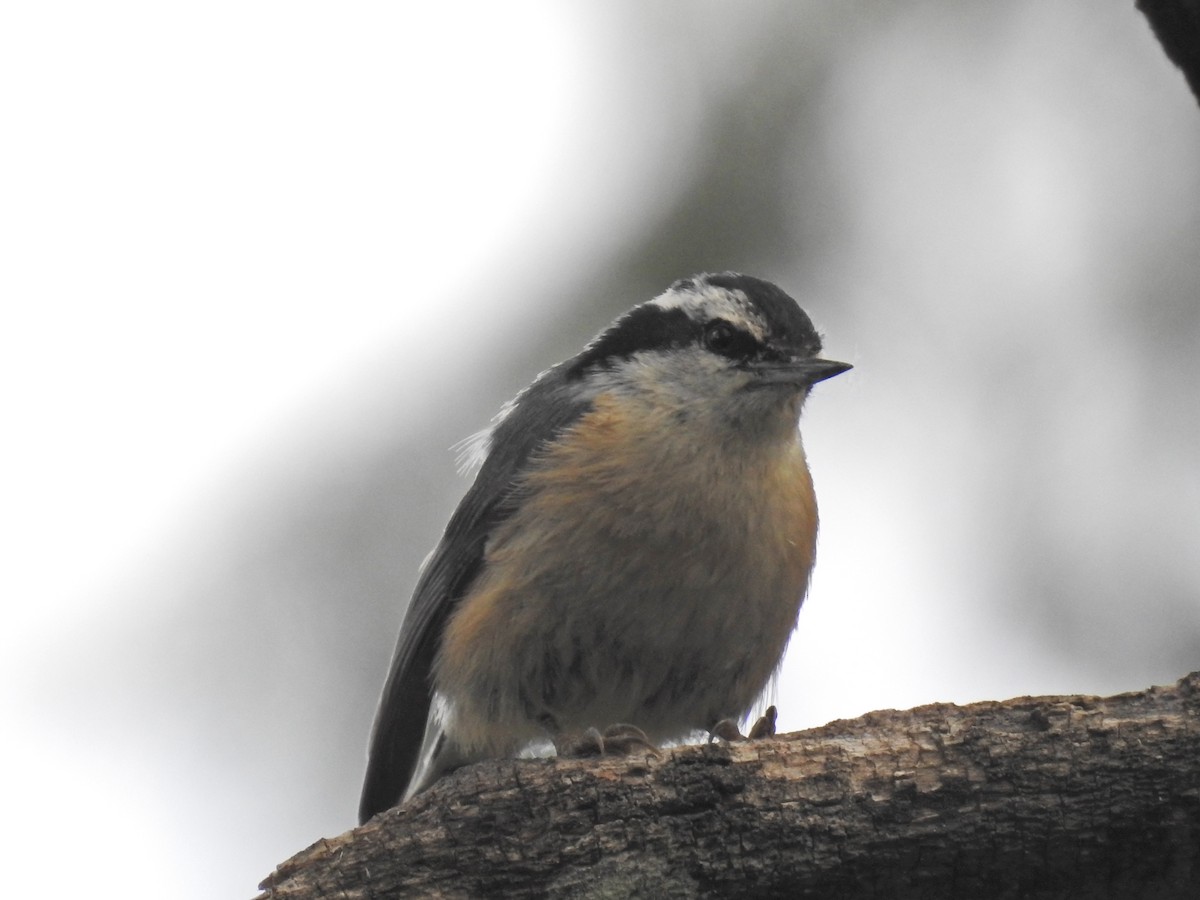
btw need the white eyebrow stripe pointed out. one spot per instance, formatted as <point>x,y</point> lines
<point>704,302</point>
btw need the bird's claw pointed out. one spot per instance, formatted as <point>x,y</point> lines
<point>765,726</point>
<point>727,729</point>
<point>616,740</point>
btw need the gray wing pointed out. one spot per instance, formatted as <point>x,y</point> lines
<point>549,405</point>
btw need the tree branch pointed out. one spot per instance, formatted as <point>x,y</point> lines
<point>1032,797</point>
<point>1176,24</point>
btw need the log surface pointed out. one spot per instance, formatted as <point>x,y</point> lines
<point>1033,797</point>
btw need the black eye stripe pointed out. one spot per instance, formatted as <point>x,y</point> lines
<point>645,327</point>
<point>726,339</point>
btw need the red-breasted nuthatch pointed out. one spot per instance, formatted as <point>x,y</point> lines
<point>634,549</point>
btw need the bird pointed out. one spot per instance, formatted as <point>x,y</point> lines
<point>634,549</point>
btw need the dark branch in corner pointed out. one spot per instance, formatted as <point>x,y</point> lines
<point>1176,24</point>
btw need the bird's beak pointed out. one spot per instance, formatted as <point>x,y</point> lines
<point>800,372</point>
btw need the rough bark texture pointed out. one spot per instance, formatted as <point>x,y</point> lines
<point>1176,24</point>
<point>1033,797</point>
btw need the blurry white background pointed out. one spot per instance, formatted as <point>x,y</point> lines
<point>261,264</point>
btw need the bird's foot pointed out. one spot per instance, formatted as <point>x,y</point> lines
<point>616,740</point>
<point>727,729</point>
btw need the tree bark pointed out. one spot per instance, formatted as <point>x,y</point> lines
<point>1033,797</point>
<point>1176,24</point>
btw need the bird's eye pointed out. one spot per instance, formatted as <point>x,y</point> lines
<point>721,337</point>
